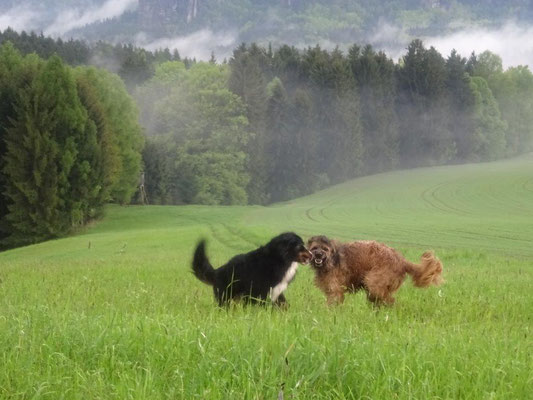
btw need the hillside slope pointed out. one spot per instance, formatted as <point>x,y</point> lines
<point>484,207</point>
<point>307,22</point>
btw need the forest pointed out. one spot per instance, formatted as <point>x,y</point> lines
<point>279,124</point>
<point>266,125</point>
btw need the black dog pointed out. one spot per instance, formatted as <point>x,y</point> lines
<point>257,275</point>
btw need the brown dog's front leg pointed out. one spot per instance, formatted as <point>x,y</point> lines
<point>335,298</point>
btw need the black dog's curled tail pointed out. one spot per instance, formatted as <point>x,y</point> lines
<point>201,266</point>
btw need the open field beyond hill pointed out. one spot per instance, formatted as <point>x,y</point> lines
<point>114,313</point>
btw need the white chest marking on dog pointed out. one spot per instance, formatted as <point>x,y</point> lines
<point>280,287</point>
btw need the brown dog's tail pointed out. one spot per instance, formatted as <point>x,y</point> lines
<point>428,272</point>
<point>201,267</point>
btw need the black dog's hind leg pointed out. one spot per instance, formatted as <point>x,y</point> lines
<point>221,297</point>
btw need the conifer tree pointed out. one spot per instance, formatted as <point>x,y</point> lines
<point>374,74</point>
<point>304,176</point>
<point>61,158</point>
<point>125,135</point>
<point>10,79</point>
<point>42,149</point>
<point>135,67</point>
<point>247,80</point>
<point>424,134</point>
<point>337,113</point>
<point>97,167</point>
<point>161,177</point>
<point>460,102</point>
<point>278,146</point>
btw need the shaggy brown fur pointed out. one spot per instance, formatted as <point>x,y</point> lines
<point>369,265</point>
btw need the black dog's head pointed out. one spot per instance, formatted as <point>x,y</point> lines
<point>324,251</point>
<point>291,246</point>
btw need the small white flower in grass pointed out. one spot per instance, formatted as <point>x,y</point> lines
<point>440,293</point>
<point>386,317</point>
<point>299,382</point>
<point>201,347</point>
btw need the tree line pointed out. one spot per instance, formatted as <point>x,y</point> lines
<point>133,64</point>
<point>265,126</point>
<point>275,125</point>
<point>69,142</point>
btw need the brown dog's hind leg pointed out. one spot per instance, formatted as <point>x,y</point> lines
<point>380,301</point>
<point>379,289</point>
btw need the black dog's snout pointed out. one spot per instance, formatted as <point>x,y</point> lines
<point>307,255</point>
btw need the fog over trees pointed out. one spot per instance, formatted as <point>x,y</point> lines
<point>266,125</point>
<point>198,27</point>
<point>315,118</point>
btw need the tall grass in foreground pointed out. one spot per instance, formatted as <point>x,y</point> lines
<point>114,313</point>
<point>123,330</point>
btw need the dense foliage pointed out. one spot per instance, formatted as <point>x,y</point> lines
<point>133,64</point>
<point>69,142</point>
<point>198,134</point>
<point>312,118</point>
<point>266,126</point>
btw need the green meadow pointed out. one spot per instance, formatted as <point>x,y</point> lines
<point>113,312</point>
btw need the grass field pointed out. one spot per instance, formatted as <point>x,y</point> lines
<point>114,313</point>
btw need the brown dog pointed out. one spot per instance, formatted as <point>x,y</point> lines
<point>369,265</point>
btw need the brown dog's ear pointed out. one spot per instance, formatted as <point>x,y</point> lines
<point>311,240</point>
<point>335,255</point>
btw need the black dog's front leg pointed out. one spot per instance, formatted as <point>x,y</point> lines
<point>281,302</point>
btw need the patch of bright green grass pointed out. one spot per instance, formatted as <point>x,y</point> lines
<point>114,313</point>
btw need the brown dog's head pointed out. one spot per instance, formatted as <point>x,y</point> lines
<point>325,252</point>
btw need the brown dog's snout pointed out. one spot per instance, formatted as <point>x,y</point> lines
<point>319,254</point>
